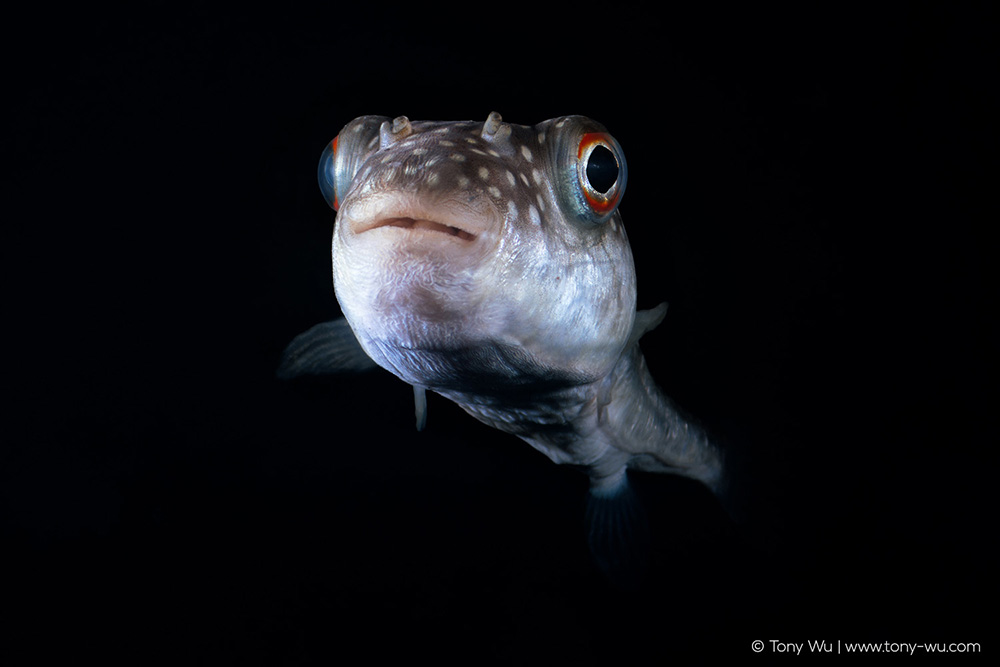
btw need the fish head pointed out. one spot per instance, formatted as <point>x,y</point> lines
<point>482,256</point>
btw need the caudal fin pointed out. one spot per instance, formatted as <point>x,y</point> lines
<point>618,534</point>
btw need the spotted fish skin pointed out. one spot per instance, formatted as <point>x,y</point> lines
<point>488,262</point>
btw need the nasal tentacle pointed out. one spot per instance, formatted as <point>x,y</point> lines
<point>395,131</point>
<point>497,133</point>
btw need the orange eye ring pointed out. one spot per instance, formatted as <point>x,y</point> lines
<point>342,158</point>
<point>601,171</point>
<point>326,174</point>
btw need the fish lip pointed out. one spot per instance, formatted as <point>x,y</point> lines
<point>444,218</point>
<point>424,224</point>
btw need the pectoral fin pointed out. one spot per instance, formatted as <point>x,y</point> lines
<point>646,321</point>
<point>326,349</point>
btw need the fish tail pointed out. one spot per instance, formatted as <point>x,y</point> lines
<point>618,534</point>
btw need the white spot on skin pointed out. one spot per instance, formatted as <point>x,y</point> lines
<point>533,214</point>
<point>463,182</point>
<point>526,152</point>
<point>434,179</point>
<point>494,153</point>
<point>484,173</point>
<point>419,151</point>
<point>457,157</point>
<point>495,191</point>
<point>511,210</point>
<point>541,138</point>
<point>472,140</point>
<point>511,179</point>
<point>541,202</point>
<point>447,143</point>
<point>537,175</point>
<point>524,179</point>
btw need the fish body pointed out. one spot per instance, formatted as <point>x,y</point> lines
<point>488,262</point>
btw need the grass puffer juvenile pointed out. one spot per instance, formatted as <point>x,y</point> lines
<point>488,262</point>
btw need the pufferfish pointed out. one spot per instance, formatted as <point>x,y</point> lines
<point>487,262</point>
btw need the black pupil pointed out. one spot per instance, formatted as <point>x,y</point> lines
<point>602,169</point>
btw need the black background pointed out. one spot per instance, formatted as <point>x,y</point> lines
<point>806,190</point>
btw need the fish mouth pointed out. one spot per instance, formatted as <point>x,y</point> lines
<point>420,219</point>
<point>423,224</point>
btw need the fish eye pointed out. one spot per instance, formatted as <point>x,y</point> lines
<point>602,169</point>
<point>327,174</point>
<point>601,173</point>
<point>342,158</point>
